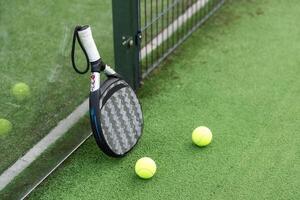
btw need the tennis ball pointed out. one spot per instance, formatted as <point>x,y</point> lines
<point>5,127</point>
<point>145,167</point>
<point>202,136</point>
<point>21,91</point>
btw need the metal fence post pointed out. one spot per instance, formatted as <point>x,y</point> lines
<point>126,40</point>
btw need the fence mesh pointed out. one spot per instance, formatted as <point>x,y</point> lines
<point>165,24</point>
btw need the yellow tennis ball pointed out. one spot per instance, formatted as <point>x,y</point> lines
<point>21,91</point>
<point>202,136</point>
<point>5,127</point>
<point>145,167</point>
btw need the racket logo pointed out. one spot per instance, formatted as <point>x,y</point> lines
<point>95,81</point>
<point>92,82</point>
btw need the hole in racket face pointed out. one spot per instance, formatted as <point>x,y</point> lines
<point>121,118</point>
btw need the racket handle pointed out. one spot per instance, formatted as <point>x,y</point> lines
<point>86,38</point>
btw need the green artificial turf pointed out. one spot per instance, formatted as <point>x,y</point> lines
<point>238,75</point>
<point>35,46</point>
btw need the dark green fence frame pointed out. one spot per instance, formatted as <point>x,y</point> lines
<point>147,31</point>
<point>126,40</point>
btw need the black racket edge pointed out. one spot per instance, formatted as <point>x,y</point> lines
<point>95,119</point>
<point>100,137</point>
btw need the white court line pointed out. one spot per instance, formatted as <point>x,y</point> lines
<point>63,126</point>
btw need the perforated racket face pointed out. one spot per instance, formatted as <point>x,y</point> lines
<point>121,117</point>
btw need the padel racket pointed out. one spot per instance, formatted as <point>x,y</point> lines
<point>115,112</point>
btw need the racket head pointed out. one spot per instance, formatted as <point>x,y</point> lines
<point>120,118</point>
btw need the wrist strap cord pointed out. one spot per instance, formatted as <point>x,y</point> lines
<point>76,37</point>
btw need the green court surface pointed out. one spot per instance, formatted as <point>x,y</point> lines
<point>238,75</point>
<point>35,46</point>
